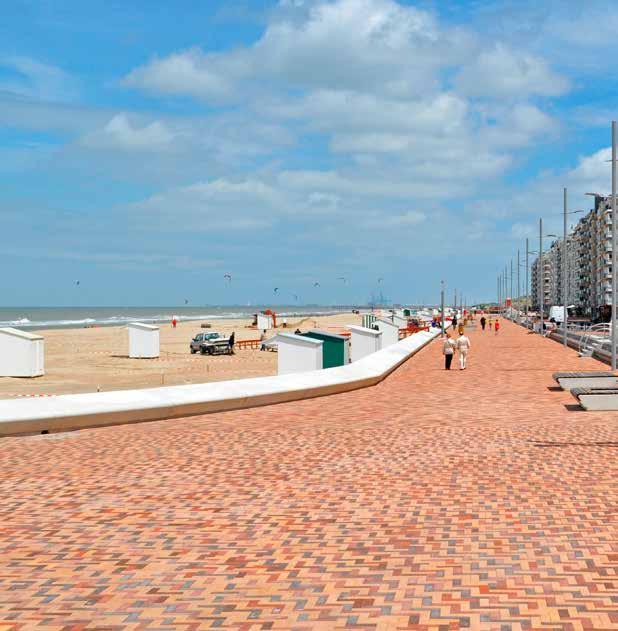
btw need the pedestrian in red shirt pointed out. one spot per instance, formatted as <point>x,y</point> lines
<point>497,326</point>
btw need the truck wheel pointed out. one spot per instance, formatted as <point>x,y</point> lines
<point>211,350</point>
<point>203,351</point>
<point>193,351</point>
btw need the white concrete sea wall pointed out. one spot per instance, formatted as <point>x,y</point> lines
<point>143,341</point>
<point>22,354</point>
<point>296,353</point>
<point>364,342</point>
<point>390,331</point>
<point>97,409</point>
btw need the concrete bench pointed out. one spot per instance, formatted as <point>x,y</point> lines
<point>597,399</point>
<point>586,379</point>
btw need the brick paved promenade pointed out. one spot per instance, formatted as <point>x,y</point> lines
<point>477,499</point>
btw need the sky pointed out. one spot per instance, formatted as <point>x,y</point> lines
<point>149,149</point>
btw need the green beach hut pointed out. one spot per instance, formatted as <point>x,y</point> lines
<point>335,348</point>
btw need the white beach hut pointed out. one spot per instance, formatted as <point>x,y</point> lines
<point>264,322</point>
<point>390,331</point>
<point>401,322</point>
<point>364,341</point>
<point>21,354</point>
<point>143,340</point>
<point>296,353</point>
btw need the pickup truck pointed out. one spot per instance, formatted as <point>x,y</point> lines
<point>210,344</point>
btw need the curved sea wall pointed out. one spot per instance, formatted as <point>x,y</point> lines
<point>80,411</point>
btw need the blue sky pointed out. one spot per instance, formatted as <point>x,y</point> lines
<point>149,148</point>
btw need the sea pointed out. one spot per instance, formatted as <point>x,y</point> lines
<point>34,318</point>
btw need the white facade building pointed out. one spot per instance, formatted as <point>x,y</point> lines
<point>589,266</point>
<point>22,354</point>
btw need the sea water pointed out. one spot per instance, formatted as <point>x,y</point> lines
<point>32,318</point>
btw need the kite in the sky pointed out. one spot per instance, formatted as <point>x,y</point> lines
<point>343,278</point>
<point>228,277</point>
<point>380,280</point>
<point>186,301</point>
<point>295,297</point>
<point>77,283</point>
<point>276,289</point>
<point>316,284</point>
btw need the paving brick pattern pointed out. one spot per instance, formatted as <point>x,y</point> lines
<point>475,499</point>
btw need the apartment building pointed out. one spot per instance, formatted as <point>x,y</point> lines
<point>589,266</point>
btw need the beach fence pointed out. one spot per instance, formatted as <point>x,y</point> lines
<point>335,348</point>
<point>297,353</point>
<point>143,341</point>
<point>22,354</point>
<point>364,342</point>
<point>390,331</point>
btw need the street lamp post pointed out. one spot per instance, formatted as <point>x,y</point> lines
<point>442,303</point>
<point>527,269</point>
<point>565,263</point>
<point>506,287</point>
<point>614,333</point>
<point>541,273</point>
<point>511,287</point>
<point>518,287</point>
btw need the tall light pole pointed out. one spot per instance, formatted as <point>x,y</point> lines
<point>614,257</point>
<point>565,276</point>
<point>541,271</point>
<point>518,287</point>
<point>511,287</point>
<point>442,304</point>
<point>527,271</point>
<point>506,287</point>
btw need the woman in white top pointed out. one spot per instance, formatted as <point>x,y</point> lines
<point>463,346</point>
<point>448,349</point>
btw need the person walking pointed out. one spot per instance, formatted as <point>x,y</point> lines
<point>454,322</point>
<point>460,328</point>
<point>231,342</point>
<point>490,323</point>
<point>463,346</point>
<point>448,349</point>
<point>497,326</point>
<point>483,322</point>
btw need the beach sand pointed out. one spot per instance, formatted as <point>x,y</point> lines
<point>91,359</point>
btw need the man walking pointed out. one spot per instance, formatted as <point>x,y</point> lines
<point>483,322</point>
<point>448,349</point>
<point>463,346</point>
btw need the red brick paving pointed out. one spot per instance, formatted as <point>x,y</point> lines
<point>477,499</point>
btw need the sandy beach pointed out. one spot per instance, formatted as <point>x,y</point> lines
<point>91,359</point>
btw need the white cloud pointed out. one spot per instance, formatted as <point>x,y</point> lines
<point>119,133</point>
<point>34,79</point>
<point>348,44</point>
<point>517,126</point>
<point>500,72</point>
<point>592,172</point>
<point>214,205</point>
<point>190,72</point>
